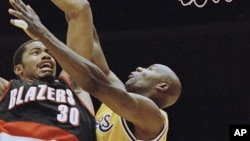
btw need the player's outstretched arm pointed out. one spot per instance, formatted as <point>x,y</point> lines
<point>80,32</point>
<point>79,36</point>
<point>134,108</point>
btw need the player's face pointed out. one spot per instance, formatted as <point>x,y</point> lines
<point>145,79</point>
<point>38,64</point>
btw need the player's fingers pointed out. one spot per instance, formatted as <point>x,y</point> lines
<point>15,13</point>
<point>31,10</point>
<point>13,4</point>
<point>21,5</point>
<point>18,5</point>
<point>19,23</point>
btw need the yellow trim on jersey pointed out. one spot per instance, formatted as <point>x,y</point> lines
<point>111,127</point>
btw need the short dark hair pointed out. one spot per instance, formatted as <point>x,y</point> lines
<point>18,55</point>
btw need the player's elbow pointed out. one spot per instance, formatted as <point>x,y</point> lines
<point>80,8</point>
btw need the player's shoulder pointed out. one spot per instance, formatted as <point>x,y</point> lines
<point>3,85</point>
<point>165,114</point>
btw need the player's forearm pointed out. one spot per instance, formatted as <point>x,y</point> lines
<point>71,7</point>
<point>98,56</point>
<point>86,74</point>
<point>80,22</point>
<point>79,68</point>
<point>92,79</point>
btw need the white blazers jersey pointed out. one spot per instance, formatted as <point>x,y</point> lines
<point>112,127</point>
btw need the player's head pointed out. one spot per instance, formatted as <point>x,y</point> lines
<point>32,61</point>
<point>157,82</point>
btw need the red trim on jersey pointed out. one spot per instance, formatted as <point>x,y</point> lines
<point>6,90</point>
<point>35,130</point>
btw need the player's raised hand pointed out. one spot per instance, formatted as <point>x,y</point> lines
<point>26,18</point>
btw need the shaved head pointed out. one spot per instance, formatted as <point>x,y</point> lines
<point>157,82</point>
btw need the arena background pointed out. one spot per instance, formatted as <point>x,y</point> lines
<point>207,47</point>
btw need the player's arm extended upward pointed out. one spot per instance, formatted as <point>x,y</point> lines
<point>82,36</point>
<point>79,37</point>
<point>80,22</point>
<point>134,108</point>
<point>137,109</point>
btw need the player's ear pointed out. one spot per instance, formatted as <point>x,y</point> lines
<point>18,69</point>
<point>163,87</point>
